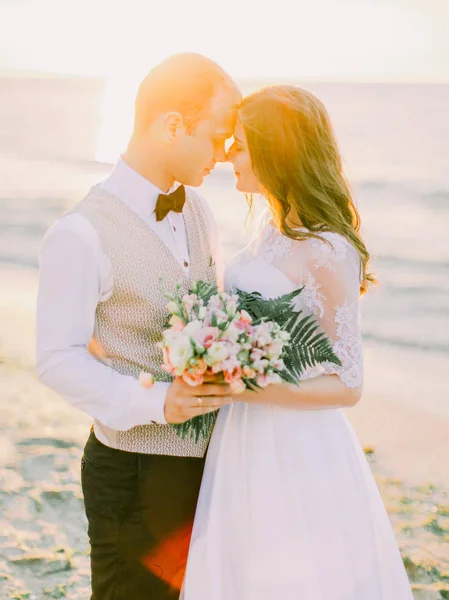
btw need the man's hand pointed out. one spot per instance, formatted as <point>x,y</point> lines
<point>183,402</point>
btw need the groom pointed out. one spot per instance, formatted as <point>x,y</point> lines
<point>100,287</point>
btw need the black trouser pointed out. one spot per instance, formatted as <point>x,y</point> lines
<point>140,509</point>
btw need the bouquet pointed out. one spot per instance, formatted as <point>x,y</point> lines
<point>218,339</point>
<point>240,338</point>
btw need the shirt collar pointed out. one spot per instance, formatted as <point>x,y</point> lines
<point>139,194</point>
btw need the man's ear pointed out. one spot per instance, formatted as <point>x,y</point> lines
<point>173,126</point>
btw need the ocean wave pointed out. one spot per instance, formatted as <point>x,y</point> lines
<point>19,261</point>
<point>390,260</point>
<point>438,199</point>
<point>409,344</point>
<point>410,290</point>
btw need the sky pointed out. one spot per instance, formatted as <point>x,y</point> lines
<point>356,40</point>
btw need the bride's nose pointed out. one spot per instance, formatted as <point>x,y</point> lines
<point>230,154</point>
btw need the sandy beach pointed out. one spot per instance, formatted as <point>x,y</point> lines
<point>43,542</point>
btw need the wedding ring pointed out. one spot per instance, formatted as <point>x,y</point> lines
<point>200,402</point>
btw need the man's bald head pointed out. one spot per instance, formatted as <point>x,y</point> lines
<point>185,83</point>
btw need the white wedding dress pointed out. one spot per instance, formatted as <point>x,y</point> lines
<point>288,508</point>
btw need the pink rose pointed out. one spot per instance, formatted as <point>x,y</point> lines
<point>231,363</point>
<point>279,364</point>
<point>248,372</point>
<point>206,336</point>
<point>245,317</point>
<point>193,379</point>
<point>262,365</point>
<point>240,325</point>
<point>200,367</point>
<point>244,321</point>
<point>146,380</point>
<point>262,381</point>
<point>237,386</point>
<point>233,375</point>
<point>274,349</point>
<point>256,354</point>
<point>176,323</point>
<point>265,380</point>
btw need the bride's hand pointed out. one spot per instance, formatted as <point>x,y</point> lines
<point>265,395</point>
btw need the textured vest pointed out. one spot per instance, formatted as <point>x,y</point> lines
<point>131,321</point>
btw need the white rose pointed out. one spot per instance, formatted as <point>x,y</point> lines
<point>181,352</point>
<point>192,327</point>
<point>216,353</point>
<point>232,333</point>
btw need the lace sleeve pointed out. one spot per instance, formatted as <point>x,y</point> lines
<point>330,274</point>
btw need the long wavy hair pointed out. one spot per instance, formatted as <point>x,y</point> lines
<point>295,157</point>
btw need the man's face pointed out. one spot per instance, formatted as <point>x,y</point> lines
<point>198,150</point>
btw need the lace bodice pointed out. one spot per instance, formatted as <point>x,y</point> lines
<point>329,270</point>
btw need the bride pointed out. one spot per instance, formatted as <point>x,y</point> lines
<point>288,508</point>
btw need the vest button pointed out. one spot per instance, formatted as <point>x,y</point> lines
<point>186,264</point>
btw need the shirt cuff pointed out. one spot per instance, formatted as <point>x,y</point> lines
<point>154,400</point>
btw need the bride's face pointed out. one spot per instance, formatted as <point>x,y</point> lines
<point>238,155</point>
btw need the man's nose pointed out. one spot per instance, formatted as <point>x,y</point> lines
<point>229,154</point>
<point>220,155</point>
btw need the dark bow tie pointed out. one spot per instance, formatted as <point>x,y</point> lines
<point>167,202</point>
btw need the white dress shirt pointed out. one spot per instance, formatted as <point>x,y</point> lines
<point>75,276</point>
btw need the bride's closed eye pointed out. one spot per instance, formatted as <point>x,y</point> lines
<point>236,146</point>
